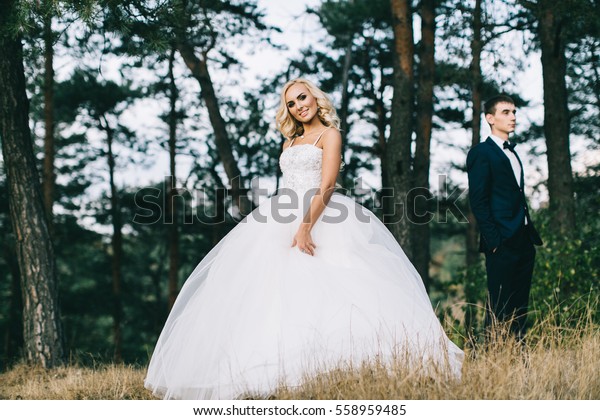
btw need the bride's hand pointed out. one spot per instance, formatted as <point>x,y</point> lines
<point>304,241</point>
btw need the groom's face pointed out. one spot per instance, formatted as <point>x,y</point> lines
<point>504,120</point>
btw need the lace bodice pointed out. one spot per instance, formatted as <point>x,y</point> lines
<point>301,167</point>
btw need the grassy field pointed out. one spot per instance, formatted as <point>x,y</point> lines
<point>561,364</point>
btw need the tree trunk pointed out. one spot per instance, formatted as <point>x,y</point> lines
<point>556,119</point>
<point>157,276</point>
<point>199,70</point>
<point>117,249</point>
<point>343,114</point>
<point>476,82</point>
<point>42,330</point>
<point>382,123</point>
<point>13,339</point>
<point>419,199</point>
<point>398,154</point>
<point>472,249</point>
<point>381,120</point>
<point>173,238</point>
<point>218,224</point>
<point>49,177</point>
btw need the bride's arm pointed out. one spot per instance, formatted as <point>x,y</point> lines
<point>332,152</point>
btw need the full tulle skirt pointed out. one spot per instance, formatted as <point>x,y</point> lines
<point>256,313</point>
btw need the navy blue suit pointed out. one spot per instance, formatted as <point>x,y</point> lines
<point>499,205</point>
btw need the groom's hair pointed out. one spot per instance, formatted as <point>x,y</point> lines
<point>490,105</point>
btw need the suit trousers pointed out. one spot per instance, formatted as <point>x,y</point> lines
<point>509,273</point>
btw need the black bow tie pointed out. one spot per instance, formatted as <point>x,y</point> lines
<point>509,145</point>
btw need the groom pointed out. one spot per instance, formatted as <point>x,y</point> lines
<point>497,198</point>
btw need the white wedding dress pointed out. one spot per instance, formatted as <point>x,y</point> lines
<point>257,313</point>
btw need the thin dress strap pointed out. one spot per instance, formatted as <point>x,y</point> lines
<point>292,141</point>
<point>319,138</point>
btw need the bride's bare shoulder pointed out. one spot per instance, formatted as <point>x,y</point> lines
<point>286,143</point>
<point>331,138</point>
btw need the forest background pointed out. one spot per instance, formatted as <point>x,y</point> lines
<point>127,110</point>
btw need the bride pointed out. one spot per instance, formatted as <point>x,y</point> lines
<point>308,282</point>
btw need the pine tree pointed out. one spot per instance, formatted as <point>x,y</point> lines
<point>43,336</point>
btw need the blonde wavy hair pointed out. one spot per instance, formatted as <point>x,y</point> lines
<point>289,126</point>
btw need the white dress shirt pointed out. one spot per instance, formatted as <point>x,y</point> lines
<point>514,162</point>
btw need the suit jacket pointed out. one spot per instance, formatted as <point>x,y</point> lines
<point>497,199</point>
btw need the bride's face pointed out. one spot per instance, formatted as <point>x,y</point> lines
<point>301,103</point>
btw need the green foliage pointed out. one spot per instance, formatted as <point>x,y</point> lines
<point>83,267</point>
<point>567,272</point>
<point>83,91</point>
<point>566,277</point>
<point>583,77</point>
<point>153,27</point>
<point>257,146</point>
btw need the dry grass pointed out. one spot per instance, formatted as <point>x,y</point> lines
<point>563,364</point>
<point>548,370</point>
<point>109,382</point>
